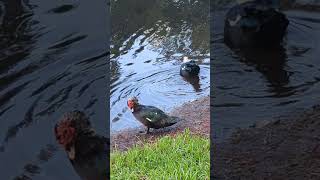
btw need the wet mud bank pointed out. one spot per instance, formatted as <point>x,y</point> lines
<point>278,149</point>
<point>195,115</point>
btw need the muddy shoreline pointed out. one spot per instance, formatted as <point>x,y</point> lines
<point>278,149</point>
<point>196,115</point>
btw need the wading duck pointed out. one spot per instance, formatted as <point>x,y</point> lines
<point>255,23</point>
<point>150,116</point>
<point>87,151</point>
<point>189,68</point>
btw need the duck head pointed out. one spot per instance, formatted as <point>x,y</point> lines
<point>185,59</point>
<point>68,130</point>
<point>132,103</point>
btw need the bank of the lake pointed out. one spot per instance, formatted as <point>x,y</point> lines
<point>282,148</point>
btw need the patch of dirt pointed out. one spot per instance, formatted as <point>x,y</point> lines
<point>281,149</point>
<point>195,115</point>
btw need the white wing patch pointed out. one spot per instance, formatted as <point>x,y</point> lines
<point>149,119</point>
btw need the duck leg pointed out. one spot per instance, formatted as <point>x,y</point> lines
<point>145,132</point>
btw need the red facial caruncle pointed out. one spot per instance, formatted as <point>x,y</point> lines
<point>132,102</point>
<point>65,133</point>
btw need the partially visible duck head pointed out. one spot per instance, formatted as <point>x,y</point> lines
<point>185,59</point>
<point>132,103</point>
<point>68,129</point>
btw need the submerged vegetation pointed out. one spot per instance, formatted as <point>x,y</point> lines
<point>184,156</point>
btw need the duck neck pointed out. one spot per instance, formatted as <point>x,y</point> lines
<point>136,108</point>
<point>87,144</point>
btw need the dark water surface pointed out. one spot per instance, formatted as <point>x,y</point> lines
<point>262,85</point>
<point>52,60</point>
<point>149,40</point>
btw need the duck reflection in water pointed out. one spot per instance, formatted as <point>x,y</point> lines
<point>270,62</point>
<point>194,81</point>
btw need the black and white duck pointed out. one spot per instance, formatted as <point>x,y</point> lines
<point>150,116</point>
<point>255,23</point>
<point>189,68</point>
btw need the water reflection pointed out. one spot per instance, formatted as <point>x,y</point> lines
<point>148,44</point>
<point>271,63</point>
<point>194,81</point>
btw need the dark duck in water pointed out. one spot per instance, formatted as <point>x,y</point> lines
<point>255,23</point>
<point>150,116</point>
<point>189,68</point>
<point>87,151</point>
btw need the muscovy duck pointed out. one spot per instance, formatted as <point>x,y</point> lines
<point>255,23</point>
<point>87,151</point>
<point>189,68</point>
<point>150,116</point>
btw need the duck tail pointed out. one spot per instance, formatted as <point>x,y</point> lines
<point>174,119</point>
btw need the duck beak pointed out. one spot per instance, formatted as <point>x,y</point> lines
<point>72,153</point>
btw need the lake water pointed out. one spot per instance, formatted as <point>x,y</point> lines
<point>149,40</point>
<point>53,60</point>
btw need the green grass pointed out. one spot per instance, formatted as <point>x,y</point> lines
<point>185,156</point>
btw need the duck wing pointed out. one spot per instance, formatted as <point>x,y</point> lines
<point>152,114</point>
<point>157,117</point>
